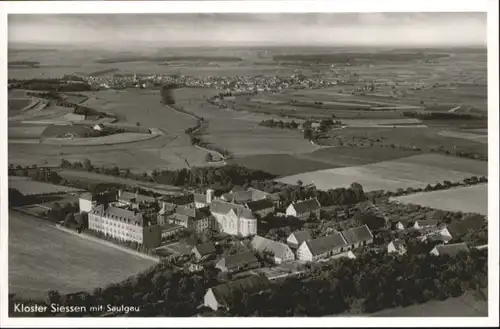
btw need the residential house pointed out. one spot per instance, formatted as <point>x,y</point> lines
<point>322,247</point>
<point>204,250</point>
<point>233,219</point>
<point>169,203</point>
<point>261,208</point>
<point>425,224</point>
<point>358,236</point>
<point>295,239</point>
<point>303,209</point>
<point>435,236</point>
<point>458,229</point>
<point>196,219</point>
<point>281,252</point>
<point>124,224</point>
<point>238,262</point>
<point>397,246</point>
<point>449,249</point>
<point>398,225</point>
<point>245,196</point>
<point>222,296</point>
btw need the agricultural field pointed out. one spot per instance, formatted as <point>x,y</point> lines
<point>30,187</point>
<point>101,178</point>
<point>468,199</point>
<point>415,171</point>
<point>468,305</point>
<point>239,132</point>
<point>42,258</point>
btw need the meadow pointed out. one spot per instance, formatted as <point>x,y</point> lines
<point>416,172</point>
<point>42,258</point>
<point>468,199</point>
<point>28,187</point>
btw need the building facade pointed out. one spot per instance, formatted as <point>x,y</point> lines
<point>304,209</point>
<point>124,224</point>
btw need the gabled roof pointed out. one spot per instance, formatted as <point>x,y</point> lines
<point>239,259</point>
<point>87,196</point>
<point>306,206</point>
<point>249,285</point>
<point>357,234</point>
<point>205,248</point>
<point>462,227</point>
<point>398,243</point>
<point>260,205</point>
<point>199,198</point>
<point>128,196</point>
<point>452,249</point>
<point>180,200</point>
<point>326,243</point>
<point>191,212</point>
<point>301,236</point>
<point>119,214</point>
<point>222,207</point>
<point>427,222</point>
<point>278,249</point>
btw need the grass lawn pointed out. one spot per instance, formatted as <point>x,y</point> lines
<point>42,258</point>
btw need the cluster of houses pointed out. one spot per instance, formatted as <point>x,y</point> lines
<point>443,235</point>
<point>146,220</point>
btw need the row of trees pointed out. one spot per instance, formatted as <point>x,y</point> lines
<point>54,85</point>
<point>367,284</point>
<point>279,124</point>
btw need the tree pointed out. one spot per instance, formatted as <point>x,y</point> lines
<point>209,157</point>
<point>87,164</point>
<point>138,124</point>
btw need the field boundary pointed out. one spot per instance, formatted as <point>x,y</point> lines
<point>109,244</point>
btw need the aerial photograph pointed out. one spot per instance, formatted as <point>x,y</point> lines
<point>248,165</point>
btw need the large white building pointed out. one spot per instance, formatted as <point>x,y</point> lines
<point>323,247</point>
<point>229,217</point>
<point>86,202</point>
<point>124,224</point>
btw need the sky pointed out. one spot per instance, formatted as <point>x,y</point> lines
<point>327,29</point>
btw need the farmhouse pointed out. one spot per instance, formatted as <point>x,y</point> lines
<point>196,219</point>
<point>397,246</point>
<point>223,294</point>
<point>358,236</point>
<point>425,224</point>
<point>281,252</point>
<point>449,249</point>
<point>304,209</point>
<point>460,228</point>
<point>204,250</point>
<point>261,208</point>
<point>245,196</point>
<point>323,247</point>
<point>238,262</point>
<point>295,239</point>
<point>233,219</point>
<point>436,236</point>
<point>124,224</point>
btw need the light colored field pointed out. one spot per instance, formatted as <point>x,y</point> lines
<point>461,134</point>
<point>473,199</point>
<point>42,258</point>
<point>105,140</point>
<point>30,187</point>
<point>467,305</point>
<point>388,175</point>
